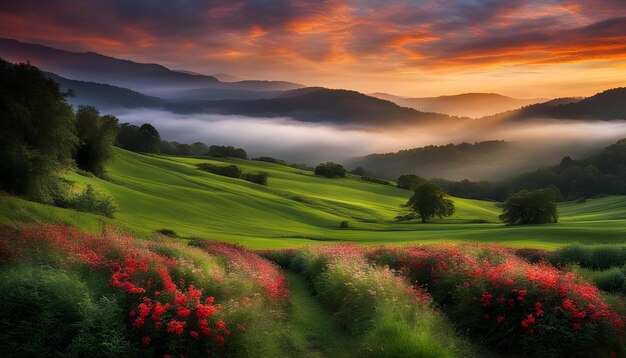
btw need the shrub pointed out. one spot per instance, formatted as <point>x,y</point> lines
<point>344,224</point>
<point>597,257</point>
<point>91,200</point>
<point>611,280</point>
<point>231,171</point>
<point>258,178</point>
<point>330,170</point>
<point>47,312</point>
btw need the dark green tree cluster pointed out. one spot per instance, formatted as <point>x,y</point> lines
<point>41,135</point>
<point>96,135</point>
<point>429,201</point>
<point>37,136</point>
<point>330,170</point>
<point>222,151</point>
<point>175,148</point>
<point>145,138</point>
<point>530,207</point>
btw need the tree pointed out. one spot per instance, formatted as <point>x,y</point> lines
<point>150,138</point>
<point>410,181</point>
<point>530,207</point>
<point>330,170</point>
<point>96,135</point>
<point>429,201</point>
<point>37,132</point>
<point>139,139</point>
<point>360,171</point>
<point>221,151</point>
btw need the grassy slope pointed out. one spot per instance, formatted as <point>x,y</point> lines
<point>299,208</point>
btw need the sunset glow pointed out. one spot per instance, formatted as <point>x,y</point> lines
<point>540,48</point>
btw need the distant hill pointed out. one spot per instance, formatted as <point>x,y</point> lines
<point>466,104</point>
<point>481,159</point>
<point>151,79</point>
<point>312,104</point>
<point>316,104</point>
<point>104,96</point>
<point>607,105</point>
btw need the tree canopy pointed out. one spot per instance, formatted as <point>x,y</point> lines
<point>37,136</point>
<point>330,170</point>
<point>145,138</point>
<point>96,135</point>
<point>530,207</point>
<point>429,201</point>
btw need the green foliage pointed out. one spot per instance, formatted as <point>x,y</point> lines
<point>47,312</point>
<point>96,135</point>
<point>410,181</point>
<point>144,139</point>
<point>221,151</point>
<point>37,136</point>
<point>611,280</point>
<point>429,201</point>
<point>258,178</point>
<point>330,170</point>
<point>602,173</point>
<point>344,224</point>
<point>596,257</point>
<point>91,200</point>
<point>272,160</point>
<point>530,207</point>
<point>231,171</point>
<point>167,232</point>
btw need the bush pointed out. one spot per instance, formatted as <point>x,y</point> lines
<point>611,280</point>
<point>533,256</point>
<point>231,171</point>
<point>92,201</point>
<point>258,178</point>
<point>272,160</point>
<point>344,224</point>
<point>47,312</point>
<point>376,180</point>
<point>96,136</point>
<point>330,170</point>
<point>596,257</point>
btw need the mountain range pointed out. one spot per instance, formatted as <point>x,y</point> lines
<point>473,105</point>
<point>109,82</point>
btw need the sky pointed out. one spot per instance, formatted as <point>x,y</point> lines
<point>526,49</point>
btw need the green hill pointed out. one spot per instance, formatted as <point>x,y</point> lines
<point>297,208</point>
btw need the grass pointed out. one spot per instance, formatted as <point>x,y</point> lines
<point>298,208</point>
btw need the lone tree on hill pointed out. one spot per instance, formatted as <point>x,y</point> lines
<point>429,201</point>
<point>530,207</point>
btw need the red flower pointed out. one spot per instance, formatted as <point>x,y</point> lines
<point>193,334</point>
<point>183,312</point>
<point>500,319</point>
<point>176,327</point>
<point>138,323</point>
<point>145,340</point>
<point>219,340</point>
<point>576,326</point>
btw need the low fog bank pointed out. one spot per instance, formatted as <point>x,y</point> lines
<point>536,143</point>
